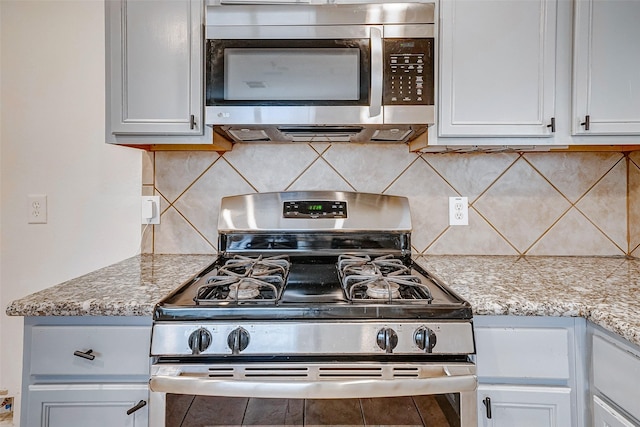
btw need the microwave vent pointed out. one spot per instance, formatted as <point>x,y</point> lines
<point>321,133</point>
<point>391,135</point>
<point>248,135</point>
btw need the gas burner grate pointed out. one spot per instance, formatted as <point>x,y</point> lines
<point>243,280</point>
<point>244,266</point>
<point>381,279</point>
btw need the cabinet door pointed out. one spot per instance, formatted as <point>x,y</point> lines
<point>605,416</point>
<point>616,373</point>
<point>154,67</point>
<point>95,405</point>
<point>606,84</point>
<point>497,67</point>
<point>523,406</point>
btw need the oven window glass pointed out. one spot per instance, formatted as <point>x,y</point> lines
<point>291,74</point>
<point>288,72</point>
<point>429,411</point>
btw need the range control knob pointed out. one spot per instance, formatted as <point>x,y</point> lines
<point>425,339</point>
<point>199,340</point>
<point>387,339</point>
<point>238,340</point>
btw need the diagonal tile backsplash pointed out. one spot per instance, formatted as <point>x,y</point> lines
<point>519,203</point>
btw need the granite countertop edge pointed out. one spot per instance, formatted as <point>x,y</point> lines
<point>603,290</point>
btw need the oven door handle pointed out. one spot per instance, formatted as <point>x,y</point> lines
<point>377,72</point>
<point>297,389</point>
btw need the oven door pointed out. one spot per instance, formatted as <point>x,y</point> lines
<point>316,381</point>
<point>294,75</point>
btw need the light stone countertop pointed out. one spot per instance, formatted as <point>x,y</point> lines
<point>603,290</point>
<point>128,288</point>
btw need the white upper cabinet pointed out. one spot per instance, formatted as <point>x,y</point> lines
<point>606,85</point>
<point>154,67</point>
<point>497,68</point>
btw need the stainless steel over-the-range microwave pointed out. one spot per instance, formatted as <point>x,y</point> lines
<point>320,72</point>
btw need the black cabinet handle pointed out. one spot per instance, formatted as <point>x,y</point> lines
<point>487,404</point>
<point>192,122</point>
<point>587,122</point>
<point>139,405</point>
<point>553,124</point>
<point>85,354</point>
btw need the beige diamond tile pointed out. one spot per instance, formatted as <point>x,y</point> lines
<point>369,168</point>
<point>147,167</point>
<point>429,205</point>
<point>320,147</point>
<point>574,235</point>
<point>606,205</point>
<point>634,204</point>
<point>271,167</point>
<point>148,190</point>
<point>470,174</point>
<point>573,173</point>
<point>476,238</point>
<point>200,204</point>
<point>521,205</point>
<point>320,176</point>
<point>176,170</point>
<point>174,235</point>
<point>634,156</point>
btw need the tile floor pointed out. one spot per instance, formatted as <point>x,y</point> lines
<point>203,411</point>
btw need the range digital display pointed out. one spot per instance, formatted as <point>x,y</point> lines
<point>315,209</point>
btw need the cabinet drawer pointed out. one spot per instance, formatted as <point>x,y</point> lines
<point>522,352</point>
<point>117,350</point>
<point>616,373</point>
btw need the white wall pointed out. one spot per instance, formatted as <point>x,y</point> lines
<point>52,142</point>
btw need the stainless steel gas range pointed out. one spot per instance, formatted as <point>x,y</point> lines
<point>314,295</point>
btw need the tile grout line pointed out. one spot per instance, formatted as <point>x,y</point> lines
<point>305,170</point>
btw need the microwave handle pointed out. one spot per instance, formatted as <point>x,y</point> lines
<point>375,105</point>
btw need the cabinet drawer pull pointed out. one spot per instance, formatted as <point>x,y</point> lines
<point>487,404</point>
<point>85,354</point>
<point>552,125</point>
<point>139,405</point>
<point>587,122</point>
<point>192,122</point>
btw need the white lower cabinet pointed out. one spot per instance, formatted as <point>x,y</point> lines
<point>86,371</point>
<point>528,373</point>
<point>605,416</point>
<point>523,406</point>
<point>98,405</point>
<point>615,380</point>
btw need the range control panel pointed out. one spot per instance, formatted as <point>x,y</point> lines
<point>409,72</point>
<point>315,209</point>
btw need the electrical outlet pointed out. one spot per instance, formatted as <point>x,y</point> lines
<point>37,209</point>
<point>7,405</point>
<point>150,209</point>
<point>458,211</point>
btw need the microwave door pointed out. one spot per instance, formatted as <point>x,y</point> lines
<point>329,76</point>
<point>283,74</point>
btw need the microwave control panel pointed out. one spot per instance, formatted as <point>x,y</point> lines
<point>408,72</point>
